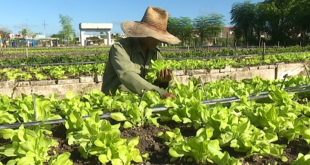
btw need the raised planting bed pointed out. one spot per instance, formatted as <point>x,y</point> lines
<point>188,132</point>
<point>159,152</point>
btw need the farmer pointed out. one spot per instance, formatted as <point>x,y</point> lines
<point>130,58</point>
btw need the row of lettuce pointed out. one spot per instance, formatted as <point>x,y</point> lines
<point>52,60</point>
<point>219,51</point>
<point>33,51</point>
<point>247,127</point>
<point>35,56</point>
<point>167,51</point>
<point>51,72</point>
<point>74,71</point>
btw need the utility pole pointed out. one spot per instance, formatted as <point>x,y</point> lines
<point>44,25</point>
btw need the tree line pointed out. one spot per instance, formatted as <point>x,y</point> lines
<point>274,22</point>
<point>283,22</point>
<point>198,30</point>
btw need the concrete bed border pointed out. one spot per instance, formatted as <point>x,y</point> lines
<point>88,83</point>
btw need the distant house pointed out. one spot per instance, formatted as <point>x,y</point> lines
<point>224,38</point>
<point>227,32</point>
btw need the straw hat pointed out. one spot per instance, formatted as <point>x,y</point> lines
<point>153,24</point>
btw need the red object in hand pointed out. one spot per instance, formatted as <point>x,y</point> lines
<point>168,95</point>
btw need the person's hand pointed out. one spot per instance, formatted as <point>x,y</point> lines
<point>168,95</point>
<point>165,75</point>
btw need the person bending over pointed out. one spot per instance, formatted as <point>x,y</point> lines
<point>130,58</point>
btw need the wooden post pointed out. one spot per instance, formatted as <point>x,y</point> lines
<point>264,51</point>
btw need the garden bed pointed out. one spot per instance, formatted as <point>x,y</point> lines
<point>244,131</point>
<point>158,152</point>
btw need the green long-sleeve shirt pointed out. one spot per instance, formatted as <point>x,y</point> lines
<point>127,67</point>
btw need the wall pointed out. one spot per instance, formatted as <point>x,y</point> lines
<point>48,87</point>
<point>269,72</point>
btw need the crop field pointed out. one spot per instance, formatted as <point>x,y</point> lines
<point>69,63</point>
<point>226,122</point>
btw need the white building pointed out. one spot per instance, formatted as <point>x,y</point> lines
<point>95,29</point>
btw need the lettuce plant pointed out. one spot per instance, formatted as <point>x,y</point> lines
<point>28,146</point>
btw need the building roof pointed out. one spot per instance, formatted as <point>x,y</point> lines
<point>96,26</point>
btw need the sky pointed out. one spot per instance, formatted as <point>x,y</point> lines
<point>42,16</point>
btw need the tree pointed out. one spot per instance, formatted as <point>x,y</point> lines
<point>300,16</point>
<point>215,26</point>
<point>244,18</point>
<point>173,26</point>
<point>26,32</point>
<point>56,35</point>
<point>186,29</point>
<point>4,33</point>
<point>284,22</point>
<point>208,26</point>
<point>275,14</point>
<point>201,24</point>
<point>182,28</point>
<point>67,33</point>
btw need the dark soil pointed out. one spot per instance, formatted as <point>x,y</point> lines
<point>150,143</point>
<point>295,147</point>
<point>3,142</point>
<point>291,152</point>
<point>259,160</point>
